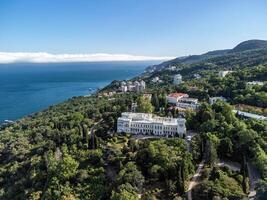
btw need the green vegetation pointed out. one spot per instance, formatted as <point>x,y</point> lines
<point>72,150</point>
<point>220,184</point>
<point>144,105</point>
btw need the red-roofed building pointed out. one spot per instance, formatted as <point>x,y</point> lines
<point>175,97</point>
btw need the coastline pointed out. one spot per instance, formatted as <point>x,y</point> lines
<point>91,91</point>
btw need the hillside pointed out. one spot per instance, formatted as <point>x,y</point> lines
<point>250,45</point>
<point>258,48</point>
<point>72,150</point>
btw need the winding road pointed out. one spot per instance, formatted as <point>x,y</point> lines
<point>194,180</point>
<point>254,176</point>
<point>91,131</point>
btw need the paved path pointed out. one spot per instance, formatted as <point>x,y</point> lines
<point>234,166</point>
<point>144,137</point>
<point>195,177</point>
<point>94,126</point>
<point>194,180</point>
<point>188,139</point>
<point>91,132</point>
<point>254,176</point>
<point>92,129</point>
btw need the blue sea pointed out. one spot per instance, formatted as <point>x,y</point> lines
<point>28,88</point>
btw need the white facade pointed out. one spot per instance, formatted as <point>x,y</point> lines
<point>250,115</point>
<point>133,87</point>
<point>255,83</point>
<point>223,73</point>
<point>173,98</point>
<point>197,76</point>
<point>142,86</point>
<point>147,124</point>
<point>177,79</point>
<point>213,100</point>
<point>155,79</point>
<point>182,100</point>
<point>172,68</point>
<point>124,88</point>
<point>188,103</point>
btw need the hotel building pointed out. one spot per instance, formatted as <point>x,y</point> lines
<point>147,124</point>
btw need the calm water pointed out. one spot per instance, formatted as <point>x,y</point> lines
<point>28,88</point>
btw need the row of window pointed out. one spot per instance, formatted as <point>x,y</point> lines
<point>136,130</point>
<point>142,125</point>
<point>155,127</point>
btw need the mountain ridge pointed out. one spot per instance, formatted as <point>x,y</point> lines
<point>248,45</point>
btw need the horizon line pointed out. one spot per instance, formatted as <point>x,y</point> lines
<point>44,57</point>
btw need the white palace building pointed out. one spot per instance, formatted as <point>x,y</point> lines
<point>147,124</point>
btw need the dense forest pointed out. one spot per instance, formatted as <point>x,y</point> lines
<point>72,150</point>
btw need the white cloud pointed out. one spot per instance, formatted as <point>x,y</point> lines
<point>43,57</point>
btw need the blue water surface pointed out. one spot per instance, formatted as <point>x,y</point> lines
<point>28,88</point>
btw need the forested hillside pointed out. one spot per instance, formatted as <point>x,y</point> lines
<point>250,52</point>
<point>72,150</point>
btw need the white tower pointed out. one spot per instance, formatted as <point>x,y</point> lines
<point>181,128</point>
<point>142,85</point>
<point>177,79</point>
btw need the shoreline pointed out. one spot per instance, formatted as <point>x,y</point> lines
<point>93,92</point>
<point>28,115</point>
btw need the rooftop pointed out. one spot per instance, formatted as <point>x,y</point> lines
<point>187,99</point>
<point>177,95</point>
<point>148,118</point>
<point>250,115</point>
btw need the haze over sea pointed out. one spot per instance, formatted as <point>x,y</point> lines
<point>28,88</point>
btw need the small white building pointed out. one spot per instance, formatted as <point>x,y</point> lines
<point>213,100</point>
<point>123,88</point>
<point>255,83</point>
<point>187,103</point>
<point>222,74</point>
<point>182,101</point>
<point>197,76</point>
<point>172,68</point>
<point>142,85</point>
<point>147,124</point>
<point>133,87</point>
<point>249,115</point>
<point>177,79</point>
<point>155,79</point>
<point>173,98</point>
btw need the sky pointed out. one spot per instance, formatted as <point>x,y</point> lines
<point>133,29</point>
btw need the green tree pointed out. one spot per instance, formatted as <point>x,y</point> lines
<point>211,149</point>
<point>144,105</point>
<point>225,147</point>
<point>67,167</point>
<point>155,101</point>
<point>130,174</point>
<point>261,187</point>
<point>126,192</point>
